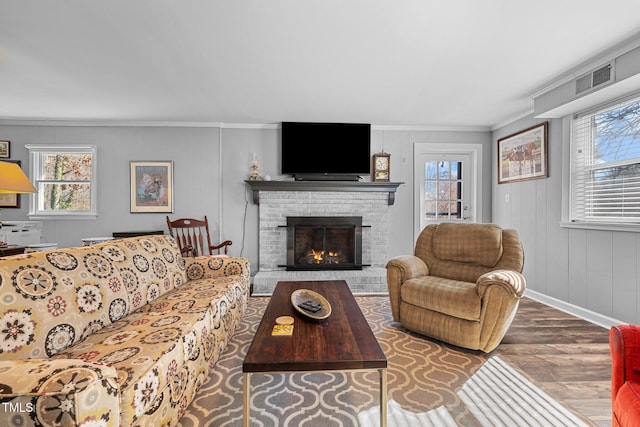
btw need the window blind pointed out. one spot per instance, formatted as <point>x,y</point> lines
<point>605,164</point>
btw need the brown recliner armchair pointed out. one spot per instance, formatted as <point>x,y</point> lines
<point>462,286</point>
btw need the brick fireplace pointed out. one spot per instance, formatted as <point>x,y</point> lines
<point>366,203</point>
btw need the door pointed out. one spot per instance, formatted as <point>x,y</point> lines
<point>445,182</point>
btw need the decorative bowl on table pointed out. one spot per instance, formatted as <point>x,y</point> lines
<point>310,304</point>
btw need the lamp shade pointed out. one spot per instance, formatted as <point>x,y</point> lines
<point>13,180</point>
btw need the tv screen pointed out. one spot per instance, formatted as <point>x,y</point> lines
<point>325,149</point>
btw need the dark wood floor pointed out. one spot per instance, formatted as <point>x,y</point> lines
<point>566,356</point>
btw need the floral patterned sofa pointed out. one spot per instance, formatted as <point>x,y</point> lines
<point>121,333</point>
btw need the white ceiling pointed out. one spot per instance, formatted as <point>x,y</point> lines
<point>451,63</point>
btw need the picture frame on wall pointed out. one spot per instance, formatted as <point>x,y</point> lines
<point>524,155</point>
<point>151,186</point>
<point>5,152</point>
<point>8,200</point>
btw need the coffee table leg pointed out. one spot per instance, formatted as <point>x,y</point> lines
<point>246,399</point>
<point>383,397</point>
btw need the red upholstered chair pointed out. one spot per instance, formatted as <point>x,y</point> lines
<point>624,343</point>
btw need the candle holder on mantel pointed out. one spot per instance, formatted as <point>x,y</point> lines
<point>255,175</point>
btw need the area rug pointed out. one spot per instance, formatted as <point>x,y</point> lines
<point>496,395</point>
<point>429,383</point>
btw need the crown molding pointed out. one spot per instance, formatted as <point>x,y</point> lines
<point>222,125</point>
<point>251,125</point>
<point>430,128</point>
<point>506,122</point>
<point>107,123</point>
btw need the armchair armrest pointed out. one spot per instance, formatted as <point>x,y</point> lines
<point>58,391</point>
<point>209,266</point>
<point>399,270</point>
<point>408,267</point>
<point>511,281</point>
<point>222,245</point>
<point>500,292</point>
<point>624,344</point>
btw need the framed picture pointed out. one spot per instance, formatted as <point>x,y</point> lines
<point>4,149</point>
<point>8,200</point>
<point>152,186</point>
<point>524,155</point>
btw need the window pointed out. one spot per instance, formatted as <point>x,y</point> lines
<point>65,177</point>
<point>443,190</point>
<point>605,164</point>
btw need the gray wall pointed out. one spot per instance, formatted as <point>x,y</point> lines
<point>196,183</point>
<point>594,270</point>
<point>210,166</point>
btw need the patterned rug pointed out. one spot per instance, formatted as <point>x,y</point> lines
<point>429,383</point>
<point>496,395</point>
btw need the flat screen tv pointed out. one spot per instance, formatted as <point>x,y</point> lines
<point>326,151</point>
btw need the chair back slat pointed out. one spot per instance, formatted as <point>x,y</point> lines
<point>192,235</point>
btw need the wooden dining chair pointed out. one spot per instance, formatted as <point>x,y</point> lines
<point>193,237</point>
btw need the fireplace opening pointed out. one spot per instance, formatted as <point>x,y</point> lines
<point>324,243</point>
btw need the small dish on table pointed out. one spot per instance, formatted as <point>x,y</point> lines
<point>310,304</point>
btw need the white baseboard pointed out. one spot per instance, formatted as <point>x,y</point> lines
<point>583,313</point>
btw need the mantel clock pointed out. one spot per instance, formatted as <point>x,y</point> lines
<point>382,166</point>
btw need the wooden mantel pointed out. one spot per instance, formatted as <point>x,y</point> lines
<point>389,187</point>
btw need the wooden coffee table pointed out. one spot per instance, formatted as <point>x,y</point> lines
<point>342,342</point>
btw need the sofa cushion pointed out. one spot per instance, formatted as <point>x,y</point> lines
<point>53,299</point>
<point>69,393</point>
<point>163,347</point>
<point>446,296</point>
<point>470,243</point>
<point>150,266</point>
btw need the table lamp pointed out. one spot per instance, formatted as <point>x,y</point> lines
<point>13,180</point>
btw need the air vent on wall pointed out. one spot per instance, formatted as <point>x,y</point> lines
<point>594,79</point>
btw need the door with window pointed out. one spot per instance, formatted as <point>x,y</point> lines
<point>445,182</point>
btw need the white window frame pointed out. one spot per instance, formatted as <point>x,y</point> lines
<point>36,154</point>
<point>568,220</point>
<point>474,170</point>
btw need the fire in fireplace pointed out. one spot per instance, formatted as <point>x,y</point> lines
<point>324,243</point>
